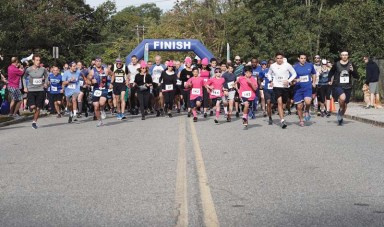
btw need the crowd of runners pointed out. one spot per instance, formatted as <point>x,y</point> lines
<point>206,88</point>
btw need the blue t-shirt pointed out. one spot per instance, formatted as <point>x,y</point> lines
<point>74,86</point>
<point>262,75</point>
<point>55,83</point>
<point>229,80</point>
<point>256,71</point>
<point>304,73</point>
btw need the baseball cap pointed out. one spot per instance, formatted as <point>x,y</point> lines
<point>264,63</point>
<point>118,60</point>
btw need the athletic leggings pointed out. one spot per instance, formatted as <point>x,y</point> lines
<point>168,99</point>
<point>143,100</point>
<point>186,99</point>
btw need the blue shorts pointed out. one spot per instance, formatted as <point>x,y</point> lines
<point>269,95</point>
<point>337,91</point>
<point>193,102</point>
<point>301,94</point>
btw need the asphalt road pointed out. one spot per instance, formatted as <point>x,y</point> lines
<point>173,172</point>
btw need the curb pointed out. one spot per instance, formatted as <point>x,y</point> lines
<point>365,120</point>
<point>23,119</point>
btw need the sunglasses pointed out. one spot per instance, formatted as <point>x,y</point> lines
<point>143,68</point>
<point>237,59</point>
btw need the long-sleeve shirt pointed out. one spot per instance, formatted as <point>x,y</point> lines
<point>279,73</point>
<point>14,75</point>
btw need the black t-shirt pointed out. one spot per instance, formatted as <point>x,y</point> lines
<point>184,76</point>
<point>167,79</point>
<point>139,80</point>
<point>342,76</point>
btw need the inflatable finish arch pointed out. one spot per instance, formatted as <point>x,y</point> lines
<point>170,45</point>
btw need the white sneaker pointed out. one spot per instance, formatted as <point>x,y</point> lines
<point>103,115</point>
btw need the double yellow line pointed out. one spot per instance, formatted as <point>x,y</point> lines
<point>209,211</point>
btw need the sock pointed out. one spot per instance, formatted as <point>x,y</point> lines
<point>225,110</point>
<point>194,113</point>
<point>282,120</point>
<point>71,114</point>
<point>80,107</point>
<point>74,112</point>
<point>245,116</point>
<point>217,113</point>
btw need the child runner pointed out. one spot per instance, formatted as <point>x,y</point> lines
<point>248,86</point>
<point>215,88</point>
<point>196,84</point>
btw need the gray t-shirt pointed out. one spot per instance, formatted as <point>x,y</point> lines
<point>36,78</point>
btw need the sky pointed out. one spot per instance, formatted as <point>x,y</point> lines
<point>121,4</point>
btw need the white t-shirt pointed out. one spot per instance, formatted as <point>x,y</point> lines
<point>279,73</point>
<point>133,71</point>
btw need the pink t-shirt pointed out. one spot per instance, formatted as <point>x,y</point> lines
<point>217,90</point>
<point>14,75</point>
<point>205,75</point>
<point>246,90</point>
<point>197,87</point>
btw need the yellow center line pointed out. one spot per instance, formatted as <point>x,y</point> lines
<point>181,179</point>
<point>209,211</point>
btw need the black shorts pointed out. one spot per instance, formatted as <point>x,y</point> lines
<point>57,97</point>
<point>281,92</point>
<point>156,90</point>
<point>291,92</point>
<point>323,93</point>
<point>36,98</point>
<point>118,88</point>
<point>269,95</point>
<point>337,91</point>
<point>250,102</point>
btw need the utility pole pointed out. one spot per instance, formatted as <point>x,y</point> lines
<point>140,28</point>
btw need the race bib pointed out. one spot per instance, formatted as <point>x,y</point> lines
<point>344,80</point>
<point>97,93</point>
<point>215,92</point>
<point>71,86</point>
<point>270,87</point>
<point>246,94</point>
<point>169,87</point>
<point>119,79</point>
<point>280,78</point>
<point>37,81</point>
<point>81,83</point>
<point>53,88</point>
<point>195,91</point>
<point>231,85</point>
<point>178,82</point>
<point>304,79</point>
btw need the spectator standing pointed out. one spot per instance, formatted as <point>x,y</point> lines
<point>14,78</point>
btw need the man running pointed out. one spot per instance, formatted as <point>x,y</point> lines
<point>119,82</point>
<point>98,78</point>
<point>305,82</point>
<point>55,81</point>
<point>280,74</point>
<point>133,69</point>
<point>72,89</point>
<point>341,74</point>
<point>156,71</point>
<point>37,81</point>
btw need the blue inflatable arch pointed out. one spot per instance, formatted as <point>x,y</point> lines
<point>170,45</point>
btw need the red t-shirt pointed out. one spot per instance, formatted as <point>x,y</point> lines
<point>246,90</point>
<point>217,90</point>
<point>196,88</point>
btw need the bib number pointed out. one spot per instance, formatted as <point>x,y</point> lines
<point>215,92</point>
<point>195,91</point>
<point>156,79</point>
<point>119,79</point>
<point>304,79</point>
<point>97,93</point>
<point>178,82</point>
<point>53,88</point>
<point>230,84</point>
<point>169,87</point>
<point>344,80</point>
<point>81,83</point>
<point>37,81</point>
<point>246,94</point>
<point>72,86</point>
